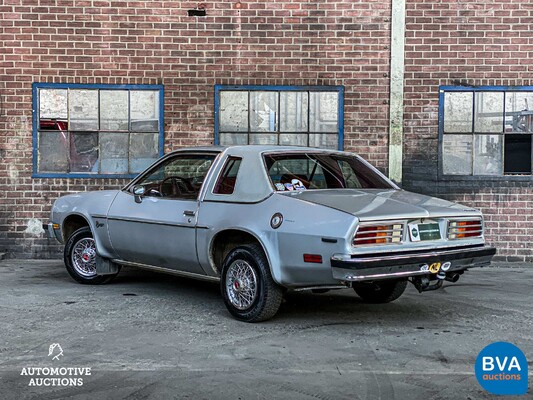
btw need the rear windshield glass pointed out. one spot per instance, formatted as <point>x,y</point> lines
<point>321,171</point>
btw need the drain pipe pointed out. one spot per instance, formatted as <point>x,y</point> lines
<point>397,69</point>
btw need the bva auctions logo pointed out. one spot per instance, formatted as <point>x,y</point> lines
<point>501,368</point>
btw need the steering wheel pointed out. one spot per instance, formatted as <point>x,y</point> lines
<point>176,189</point>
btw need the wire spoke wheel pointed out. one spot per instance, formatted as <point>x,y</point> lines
<point>241,284</point>
<point>83,257</point>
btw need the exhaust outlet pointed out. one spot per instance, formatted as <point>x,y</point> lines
<point>453,277</point>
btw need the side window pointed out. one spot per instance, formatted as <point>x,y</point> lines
<point>180,177</point>
<point>228,178</point>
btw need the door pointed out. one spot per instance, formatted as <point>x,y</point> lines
<point>159,227</point>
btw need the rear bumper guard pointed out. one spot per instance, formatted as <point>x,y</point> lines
<point>357,268</point>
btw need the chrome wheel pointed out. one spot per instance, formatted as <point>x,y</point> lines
<point>83,257</point>
<point>241,284</point>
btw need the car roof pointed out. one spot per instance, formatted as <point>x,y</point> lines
<point>254,149</point>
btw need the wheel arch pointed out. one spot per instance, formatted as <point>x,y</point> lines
<point>226,240</point>
<point>72,223</point>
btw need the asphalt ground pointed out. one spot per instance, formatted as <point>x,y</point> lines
<point>153,336</point>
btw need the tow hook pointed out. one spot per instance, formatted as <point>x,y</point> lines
<point>422,284</point>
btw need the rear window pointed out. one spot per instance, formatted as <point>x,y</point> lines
<point>304,171</point>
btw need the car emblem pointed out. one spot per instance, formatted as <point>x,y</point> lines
<point>414,232</point>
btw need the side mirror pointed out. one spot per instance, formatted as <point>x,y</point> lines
<point>138,192</point>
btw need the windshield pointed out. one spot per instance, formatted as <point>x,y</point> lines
<point>301,171</point>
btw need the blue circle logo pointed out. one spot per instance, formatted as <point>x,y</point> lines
<point>501,368</point>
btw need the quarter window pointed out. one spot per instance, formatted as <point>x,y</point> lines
<point>228,178</point>
<point>274,115</point>
<point>96,130</point>
<point>486,131</point>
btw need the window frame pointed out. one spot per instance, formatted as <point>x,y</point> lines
<point>74,175</point>
<point>273,88</point>
<point>498,178</point>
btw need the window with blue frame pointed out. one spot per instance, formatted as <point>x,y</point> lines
<point>279,115</point>
<point>486,130</point>
<point>83,130</point>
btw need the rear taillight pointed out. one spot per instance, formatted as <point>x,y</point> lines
<point>378,234</point>
<point>462,229</point>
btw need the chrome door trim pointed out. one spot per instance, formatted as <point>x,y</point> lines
<point>168,271</point>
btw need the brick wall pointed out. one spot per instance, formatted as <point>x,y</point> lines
<point>467,43</point>
<point>255,42</point>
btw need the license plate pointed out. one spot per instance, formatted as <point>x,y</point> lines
<point>421,232</point>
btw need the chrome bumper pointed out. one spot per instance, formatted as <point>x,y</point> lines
<point>405,264</point>
<point>51,232</point>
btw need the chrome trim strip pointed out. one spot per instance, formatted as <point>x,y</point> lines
<point>98,216</point>
<point>331,287</point>
<point>151,221</point>
<point>168,271</point>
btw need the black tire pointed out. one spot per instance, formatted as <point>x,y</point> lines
<point>85,277</point>
<point>268,294</point>
<point>380,292</point>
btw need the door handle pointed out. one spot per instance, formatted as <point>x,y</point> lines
<point>189,213</point>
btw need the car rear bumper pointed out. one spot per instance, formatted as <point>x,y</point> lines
<point>405,264</point>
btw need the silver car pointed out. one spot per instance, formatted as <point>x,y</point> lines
<point>264,220</point>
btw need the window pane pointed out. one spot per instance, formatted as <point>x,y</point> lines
<point>53,104</point>
<point>489,112</point>
<point>84,152</point>
<point>263,111</point>
<point>517,154</point>
<point>230,139</point>
<point>288,139</point>
<point>114,110</point>
<point>293,111</point>
<point>233,113</point>
<point>458,111</point>
<point>457,154</point>
<point>324,141</point>
<point>144,109</point>
<point>83,109</point>
<point>323,112</point>
<point>143,150</point>
<point>487,155</point>
<point>228,178</point>
<point>519,112</point>
<point>53,151</point>
<point>257,138</point>
<point>114,153</point>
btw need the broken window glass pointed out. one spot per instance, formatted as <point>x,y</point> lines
<point>84,152</point>
<point>519,112</point>
<point>263,111</point>
<point>518,153</point>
